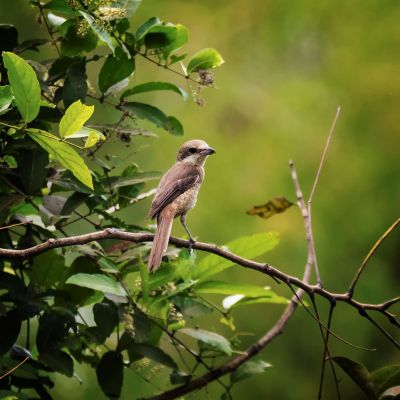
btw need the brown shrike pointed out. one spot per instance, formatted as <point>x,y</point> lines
<point>176,195</point>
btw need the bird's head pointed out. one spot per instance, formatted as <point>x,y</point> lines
<point>195,152</point>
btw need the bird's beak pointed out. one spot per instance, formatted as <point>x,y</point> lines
<point>207,151</point>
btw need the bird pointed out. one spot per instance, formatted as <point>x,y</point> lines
<point>176,195</point>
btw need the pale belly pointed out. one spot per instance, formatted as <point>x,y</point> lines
<point>186,201</point>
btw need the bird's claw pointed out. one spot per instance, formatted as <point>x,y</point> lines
<point>190,248</point>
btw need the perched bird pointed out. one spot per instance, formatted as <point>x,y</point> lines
<point>176,195</point>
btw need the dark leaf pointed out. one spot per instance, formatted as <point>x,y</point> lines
<point>48,269</point>
<point>144,28</point>
<point>75,86</point>
<point>31,44</point>
<point>9,332</point>
<point>115,69</point>
<point>9,37</point>
<point>58,361</point>
<point>106,317</point>
<point>73,44</point>
<point>153,86</point>
<point>110,373</point>
<point>60,6</point>
<point>358,373</point>
<point>53,327</point>
<point>73,202</point>
<point>154,115</point>
<point>32,164</point>
<point>137,350</point>
<point>179,378</point>
<point>274,206</point>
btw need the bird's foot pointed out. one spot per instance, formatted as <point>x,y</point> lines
<point>191,243</point>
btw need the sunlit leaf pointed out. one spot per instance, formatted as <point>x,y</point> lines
<point>249,369</point>
<point>237,300</point>
<point>221,287</point>
<point>74,118</point>
<point>24,85</point>
<point>247,247</point>
<point>64,154</point>
<point>205,59</point>
<point>98,282</point>
<point>274,206</point>
<point>210,338</point>
<point>6,98</point>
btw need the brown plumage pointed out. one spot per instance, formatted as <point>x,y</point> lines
<point>176,195</point>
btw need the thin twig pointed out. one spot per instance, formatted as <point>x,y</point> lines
<point>12,225</point>
<point>53,40</point>
<point>360,270</point>
<point>310,198</point>
<point>14,368</point>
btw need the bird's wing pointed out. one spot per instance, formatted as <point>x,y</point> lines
<point>180,178</point>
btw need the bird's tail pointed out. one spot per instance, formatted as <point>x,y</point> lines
<point>161,238</point>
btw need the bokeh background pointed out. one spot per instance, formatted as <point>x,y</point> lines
<point>288,66</point>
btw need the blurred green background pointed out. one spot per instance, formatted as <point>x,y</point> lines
<point>288,66</point>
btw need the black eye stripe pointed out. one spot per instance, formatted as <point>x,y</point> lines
<point>192,150</point>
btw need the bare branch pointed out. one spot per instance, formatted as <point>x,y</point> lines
<point>310,198</point>
<point>350,290</point>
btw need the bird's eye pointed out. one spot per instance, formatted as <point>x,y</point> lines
<point>192,150</point>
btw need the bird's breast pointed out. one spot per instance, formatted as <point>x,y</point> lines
<point>186,201</point>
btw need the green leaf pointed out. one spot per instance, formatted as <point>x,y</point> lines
<point>60,6</point>
<point>48,269</point>
<point>98,282</point>
<point>152,86</point>
<point>358,373</point>
<point>74,118</point>
<point>64,154</point>
<point>249,369</point>
<point>58,361</point>
<point>45,103</point>
<point>115,69</point>
<point>129,5</point>
<point>167,36</point>
<point>135,179</point>
<point>24,85</point>
<point>6,98</point>
<point>179,378</point>
<point>237,300</point>
<point>220,287</point>
<point>247,247</point>
<point>144,28</point>
<point>205,59</point>
<point>152,352</point>
<point>102,34</point>
<point>385,378</point>
<point>190,307</point>
<point>73,44</point>
<point>110,374</point>
<point>92,136</point>
<point>154,115</point>
<point>210,338</point>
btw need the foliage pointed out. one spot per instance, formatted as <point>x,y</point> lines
<point>51,178</point>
